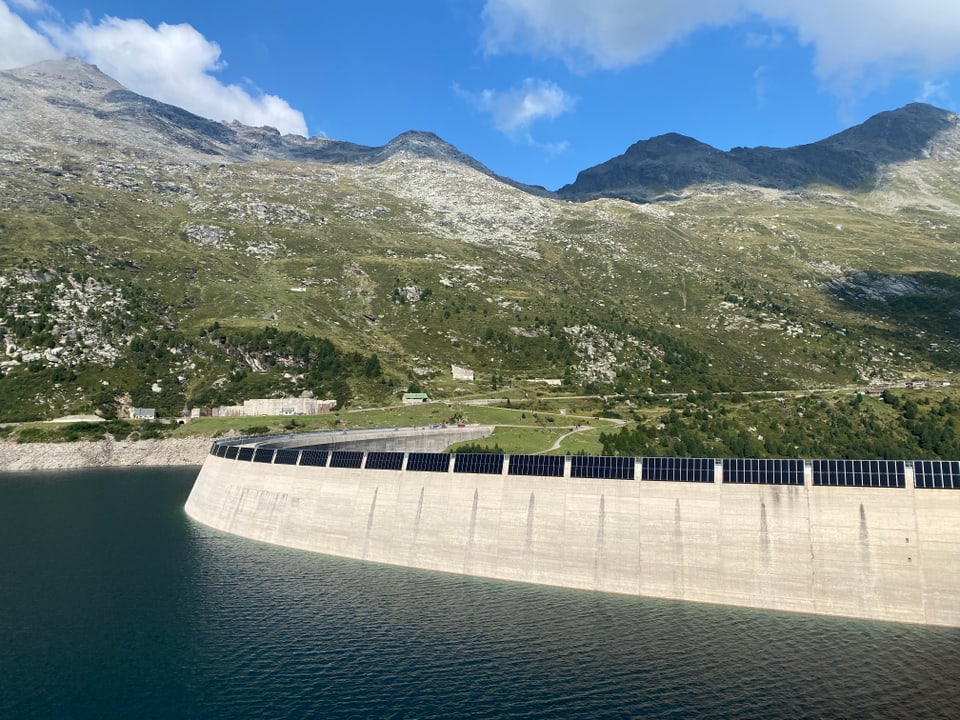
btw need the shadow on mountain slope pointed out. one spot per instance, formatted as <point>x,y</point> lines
<point>917,310</point>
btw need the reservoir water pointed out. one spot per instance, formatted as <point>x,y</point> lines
<point>114,604</point>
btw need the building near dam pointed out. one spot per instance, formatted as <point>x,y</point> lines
<point>276,406</point>
<point>871,539</point>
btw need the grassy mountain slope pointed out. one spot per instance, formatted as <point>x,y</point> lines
<point>169,280</point>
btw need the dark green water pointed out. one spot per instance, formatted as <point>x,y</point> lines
<point>114,604</point>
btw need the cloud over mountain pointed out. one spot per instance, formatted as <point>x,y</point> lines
<point>515,110</point>
<point>172,63</point>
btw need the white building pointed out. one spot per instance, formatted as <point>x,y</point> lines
<point>461,373</point>
<point>276,406</point>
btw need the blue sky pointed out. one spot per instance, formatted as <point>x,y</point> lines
<point>534,89</point>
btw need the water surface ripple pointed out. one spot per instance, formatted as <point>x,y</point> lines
<point>114,604</point>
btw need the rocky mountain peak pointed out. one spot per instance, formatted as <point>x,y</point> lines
<point>668,144</point>
<point>914,131</point>
<point>665,166</point>
<point>65,74</point>
<point>70,103</point>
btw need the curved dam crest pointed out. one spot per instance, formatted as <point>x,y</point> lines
<point>880,553</point>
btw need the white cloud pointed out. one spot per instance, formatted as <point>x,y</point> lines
<point>515,110</point>
<point>607,33</point>
<point>760,86</point>
<point>936,93</point>
<point>19,43</point>
<point>30,5</point>
<point>175,64</point>
<point>852,40</point>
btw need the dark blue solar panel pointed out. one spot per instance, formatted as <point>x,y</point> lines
<point>245,453</point>
<point>232,451</point>
<point>428,462</point>
<point>213,448</point>
<point>678,469</point>
<point>263,455</point>
<point>541,465</point>
<point>762,472</point>
<point>222,450</point>
<point>602,467</point>
<point>384,461</point>
<point>480,463</point>
<point>314,458</point>
<point>286,457</point>
<point>346,458</point>
<point>859,473</point>
<point>937,474</point>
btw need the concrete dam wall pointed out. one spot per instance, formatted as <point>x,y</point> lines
<point>886,553</point>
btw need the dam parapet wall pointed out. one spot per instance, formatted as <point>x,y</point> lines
<point>882,543</point>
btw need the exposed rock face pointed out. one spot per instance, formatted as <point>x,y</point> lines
<point>70,103</point>
<point>103,453</point>
<point>656,168</point>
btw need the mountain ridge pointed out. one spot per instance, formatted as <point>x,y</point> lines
<point>78,91</point>
<point>69,93</point>
<point>666,165</point>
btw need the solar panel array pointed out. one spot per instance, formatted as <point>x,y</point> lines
<point>478,463</point>
<point>762,472</point>
<point>314,458</point>
<point>603,468</point>
<point>859,473</point>
<point>263,455</point>
<point>286,457</point>
<point>537,465</point>
<point>384,461</point>
<point>937,474</point>
<point>678,469</point>
<point>428,462</point>
<point>346,458</point>
<point>840,473</point>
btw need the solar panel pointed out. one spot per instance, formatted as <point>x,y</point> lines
<point>232,451</point>
<point>384,461</point>
<point>479,463</point>
<point>762,472</point>
<point>263,455</point>
<point>245,453</point>
<point>699,470</point>
<point>221,451</point>
<point>602,467</point>
<point>859,473</point>
<point>346,458</point>
<point>314,458</point>
<point>937,474</point>
<point>538,465</point>
<point>428,462</point>
<point>286,457</point>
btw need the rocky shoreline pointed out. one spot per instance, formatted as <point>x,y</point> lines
<point>102,453</point>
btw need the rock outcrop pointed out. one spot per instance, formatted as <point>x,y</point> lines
<point>103,453</point>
